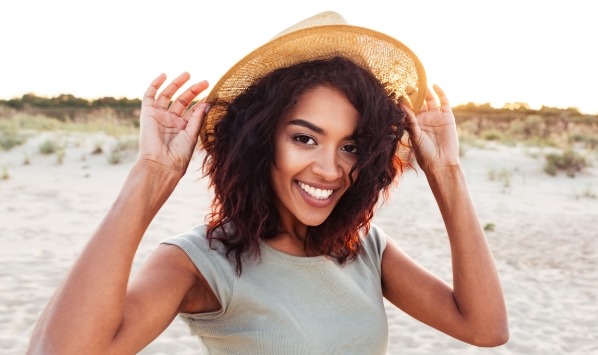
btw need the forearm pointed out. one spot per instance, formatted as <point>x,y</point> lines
<point>476,284</point>
<point>88,307</point>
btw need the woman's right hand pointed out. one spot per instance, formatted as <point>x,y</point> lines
<point>122,317</point>
<point>169,133</point>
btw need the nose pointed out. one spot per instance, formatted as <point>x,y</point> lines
<point>327,166</point>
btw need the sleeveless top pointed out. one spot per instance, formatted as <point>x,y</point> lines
<point>285,304</point>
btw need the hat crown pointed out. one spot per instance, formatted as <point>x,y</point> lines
<point>322,19</point>
<point>322,36</point>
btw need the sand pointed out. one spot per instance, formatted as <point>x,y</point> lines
<point>544,238</point>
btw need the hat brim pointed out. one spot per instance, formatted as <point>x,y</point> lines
<point>393,63</point>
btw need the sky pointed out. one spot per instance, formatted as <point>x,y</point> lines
<point>497,52</point>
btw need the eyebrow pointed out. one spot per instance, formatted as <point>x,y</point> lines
<point>308,125</point>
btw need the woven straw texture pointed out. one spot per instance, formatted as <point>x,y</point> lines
<point>388,59</point>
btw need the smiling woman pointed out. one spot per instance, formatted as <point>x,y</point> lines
<point>302,137</point>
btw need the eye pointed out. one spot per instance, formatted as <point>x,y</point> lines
<point>350,148</point>
<point>304,139</point>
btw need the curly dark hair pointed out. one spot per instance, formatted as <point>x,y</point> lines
<point>240,155</point>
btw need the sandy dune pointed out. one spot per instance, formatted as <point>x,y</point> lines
<point>544,238</point>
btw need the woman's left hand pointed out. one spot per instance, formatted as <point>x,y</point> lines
<point>433,132</point>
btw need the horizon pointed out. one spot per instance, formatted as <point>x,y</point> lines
<point>480,52</point>
<point>503,106</point>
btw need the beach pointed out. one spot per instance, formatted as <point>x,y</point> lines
<point>542,230</point>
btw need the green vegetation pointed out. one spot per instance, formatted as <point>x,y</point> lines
<point>587,141</point>
<point>573,134</point>
<point>48,147</point>
<point>479,125</point>
<point>489,227</point>
<point>114,156</point>
<point>60,156</point>
<point>123,145</point>
<point>68,107</point>
<point>17,127</point>
<point>568,161</point>
<point>503,176</point>
<point>4,175</point>
<point>517,123</point>
<point>10,135</point>
<point>9,140</point>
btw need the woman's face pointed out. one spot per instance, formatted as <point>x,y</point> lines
<point>314,153</point>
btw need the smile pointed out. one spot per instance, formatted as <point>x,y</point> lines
<point>315,192</point>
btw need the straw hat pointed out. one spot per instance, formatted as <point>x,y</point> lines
<point>323,36</point>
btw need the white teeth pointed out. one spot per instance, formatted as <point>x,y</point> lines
<point>314,192</point>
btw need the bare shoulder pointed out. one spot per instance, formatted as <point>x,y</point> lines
<point>177,270</point>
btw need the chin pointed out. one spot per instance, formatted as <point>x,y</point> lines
<point>314,222</point>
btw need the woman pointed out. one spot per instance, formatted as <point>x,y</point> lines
<point>298,153</point>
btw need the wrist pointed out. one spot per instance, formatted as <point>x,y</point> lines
<point>149,185</point>
<point>157,171</point>
<point>446,176</point>
<point>442,169</point>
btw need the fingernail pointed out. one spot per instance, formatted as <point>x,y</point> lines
<point>208,107</point>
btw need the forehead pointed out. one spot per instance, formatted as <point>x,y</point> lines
<point>326,105</point>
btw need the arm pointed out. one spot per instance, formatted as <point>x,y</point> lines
<point>93,311</point>
<point>473,310</point>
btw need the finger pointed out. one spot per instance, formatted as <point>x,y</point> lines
<point>192,109</point>
<point>150,93</point>
<point>412,122</point>
<point>163,100</point>
<point>410,117</point>
<point>431,102</point>
<point>444,102</point>
<point>187,115</point>
<point>196,120</point>
<point>185,99</point>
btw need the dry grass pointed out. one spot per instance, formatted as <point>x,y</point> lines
<point>575,136</point>
<point>4,174</point>
<point>18,127</point>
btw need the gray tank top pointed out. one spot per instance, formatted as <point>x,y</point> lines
<point>284,304</point>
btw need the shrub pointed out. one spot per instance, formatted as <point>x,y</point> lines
<point>97,149</point>
<point>9,141</point>
<point>568,161</point>
<point>48,147</point>
<point>588,140</point>
<point>4,175</point>
<point>489,227</point>
<point>503,176</point>
<point>492,135</point>
<point>9,134</point>
<point>115,156</point>
<point>60,156</point>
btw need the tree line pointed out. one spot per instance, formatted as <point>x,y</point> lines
<point>69,107</point>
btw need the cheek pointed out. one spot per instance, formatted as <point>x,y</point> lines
<point>288,159</point>
<point>280,163</point>
<point>347,165</point>
<point>286,166</point>
<point>355,175</point>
